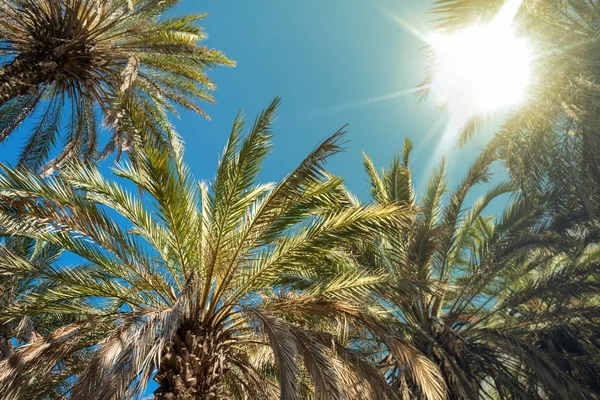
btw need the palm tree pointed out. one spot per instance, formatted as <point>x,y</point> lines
<point>16,250</point>
<point>20,331</point>
<point>550,144</point>
<point>218,288</point>
<point>65,63</point>
<point>13,249</point>
<point>565,291</point>
<point>497,290</point>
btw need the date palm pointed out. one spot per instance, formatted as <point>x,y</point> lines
<point>20,331</point>
<point>477,324</point>
<point>24,250</point>
<point>68,65</point>
<point>562,293</point>
<point>214,287</point>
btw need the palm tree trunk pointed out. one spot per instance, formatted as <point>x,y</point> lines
<point>24,74</point>
<point>192,366</point>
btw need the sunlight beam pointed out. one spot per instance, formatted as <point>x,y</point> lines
<point>483,68</point>
<point>362,103</point>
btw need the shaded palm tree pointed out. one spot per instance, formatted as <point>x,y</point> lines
<point>69,64</point>
<point>565,290</point>
<point>498,289</point>
<point>214,286</point>
<point>12,287</point>
<point>17,331</point>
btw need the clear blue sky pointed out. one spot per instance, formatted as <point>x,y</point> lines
<point>333,62</point>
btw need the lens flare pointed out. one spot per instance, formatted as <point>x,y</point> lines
<point>483,68</point>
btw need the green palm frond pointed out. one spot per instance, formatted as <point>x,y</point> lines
<point>72,64</point>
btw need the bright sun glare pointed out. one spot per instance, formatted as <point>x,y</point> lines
<point>483,68</point>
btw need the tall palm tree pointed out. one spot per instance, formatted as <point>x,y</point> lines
<point>67,63</point>
<point>496,289</point>
<point>217,288</point>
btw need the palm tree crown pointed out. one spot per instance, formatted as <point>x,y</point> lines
<point>496,288</point>
<point>216,287</point>
<point>75,60</point>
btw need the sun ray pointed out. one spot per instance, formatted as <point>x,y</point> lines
<point>425,140</point>
<point>402,23</point>
<point>362,103</point>
<point>447,142</point>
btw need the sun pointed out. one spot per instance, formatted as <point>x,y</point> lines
<point>483,68</point>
